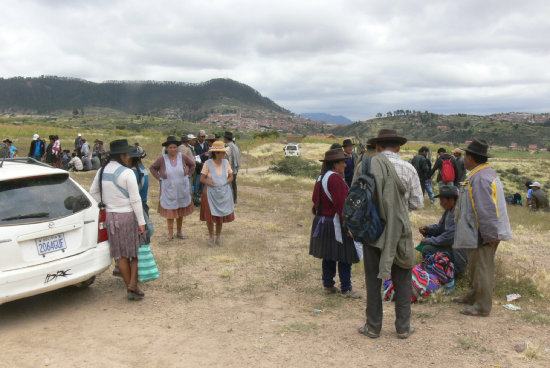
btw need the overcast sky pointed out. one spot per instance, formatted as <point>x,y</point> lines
<point>349,57</point>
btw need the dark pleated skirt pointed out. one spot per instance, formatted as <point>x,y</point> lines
<point>323,243</point>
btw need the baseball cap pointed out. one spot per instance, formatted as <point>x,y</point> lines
<point>35,137</point>
<point>535,184</point>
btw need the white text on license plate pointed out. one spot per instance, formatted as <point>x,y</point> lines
<point>51,244</point>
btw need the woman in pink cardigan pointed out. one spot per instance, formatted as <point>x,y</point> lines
<point>172,170</point>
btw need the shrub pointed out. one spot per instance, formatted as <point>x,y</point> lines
<point>296,166</point>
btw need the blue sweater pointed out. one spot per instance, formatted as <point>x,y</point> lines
<point>143,182</point>
<point>442,234</point>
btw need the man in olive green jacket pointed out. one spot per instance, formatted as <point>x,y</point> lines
<point>398,190</point>
<point>481,223</point>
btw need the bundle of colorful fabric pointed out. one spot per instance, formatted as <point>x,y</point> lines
<point>440,265</point>
<point>423,284</point>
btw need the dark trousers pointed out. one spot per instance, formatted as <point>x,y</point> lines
<point>481,263</point>
<point>344,271</point>
<point>198,185</point>
<point>402,283</point>
<point>234,187</point>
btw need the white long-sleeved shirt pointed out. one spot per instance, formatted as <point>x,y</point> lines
<point>113,199</point>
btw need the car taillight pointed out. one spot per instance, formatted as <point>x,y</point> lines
<point>102,234</point>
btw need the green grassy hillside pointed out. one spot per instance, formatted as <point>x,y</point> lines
<point>425,126</point>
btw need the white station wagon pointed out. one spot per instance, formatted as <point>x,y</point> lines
<point>51,231</point>
<point>292,149</point>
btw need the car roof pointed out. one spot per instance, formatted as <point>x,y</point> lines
<point>18,168</point>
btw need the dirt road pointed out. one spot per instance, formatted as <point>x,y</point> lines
<point>253,302</point>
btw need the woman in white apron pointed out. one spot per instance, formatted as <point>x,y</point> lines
<point>173,169</point>
<point>217,200</point>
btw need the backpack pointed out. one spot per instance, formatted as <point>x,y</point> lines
<point>360,214</point>
<point>447,171</point>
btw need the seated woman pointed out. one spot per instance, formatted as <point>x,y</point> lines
<point>440,237</point>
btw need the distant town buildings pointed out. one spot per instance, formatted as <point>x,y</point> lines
<point>247,121</point>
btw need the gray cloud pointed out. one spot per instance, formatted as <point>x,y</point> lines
<point>351,57</point>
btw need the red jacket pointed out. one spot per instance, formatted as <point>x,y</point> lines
<point>338,189</point>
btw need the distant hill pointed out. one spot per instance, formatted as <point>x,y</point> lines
<point>221,102</point>
<point>328,118</point>
<point>45,95</point>
<point>499,129</point>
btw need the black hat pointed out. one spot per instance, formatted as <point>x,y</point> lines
<point>8,141</point>
<point>184,138</point>
<point>389,135</point>
<point>336,154</point>
<point>336,145</point>
<point>171,140</point>
<point>228,135</point>
<point>347,142</point>
<point>119,146</point>
<point>478,147</point>
<point>447,191</point>
<point>217,136</point>
<point>135,152</point>
<point>370,144</point>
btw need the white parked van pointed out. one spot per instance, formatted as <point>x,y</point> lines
<point>51,231</point>
<point>292,149</point>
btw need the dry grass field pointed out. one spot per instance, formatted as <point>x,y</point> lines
<point>258,300</point>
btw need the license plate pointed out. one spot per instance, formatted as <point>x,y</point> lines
<point>51,244</point>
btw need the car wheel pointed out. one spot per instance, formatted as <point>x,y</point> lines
<point>86,283</point>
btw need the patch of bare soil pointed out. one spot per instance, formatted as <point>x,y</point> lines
<point>256,301</point>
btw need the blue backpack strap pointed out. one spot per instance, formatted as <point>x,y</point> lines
<point>113,179</point>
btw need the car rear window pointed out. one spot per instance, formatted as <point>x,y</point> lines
<point>37,199</point>
<point>292,148</point>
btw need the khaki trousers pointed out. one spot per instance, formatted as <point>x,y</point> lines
<point>481,263</point>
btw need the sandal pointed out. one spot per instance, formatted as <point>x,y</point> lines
<point>352,294</point>
<point>181,236</point>
<point>474,312</point>
<point>331,290</point>
<point>169,238</point>
<point>462,300</point>
<point>406,335</point>
<point>219,242</point>
<point>135,293</point>
<point>364,330</point>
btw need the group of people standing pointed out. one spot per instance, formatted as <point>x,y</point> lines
<point>122,183</point>
<point>480,219</point>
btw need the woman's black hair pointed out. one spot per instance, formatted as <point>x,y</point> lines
<point>328,165</point>
<point>135,161</point>
<point>110,157</point>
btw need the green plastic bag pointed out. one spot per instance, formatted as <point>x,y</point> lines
<point>420,246</point>
<point>147,267</point>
